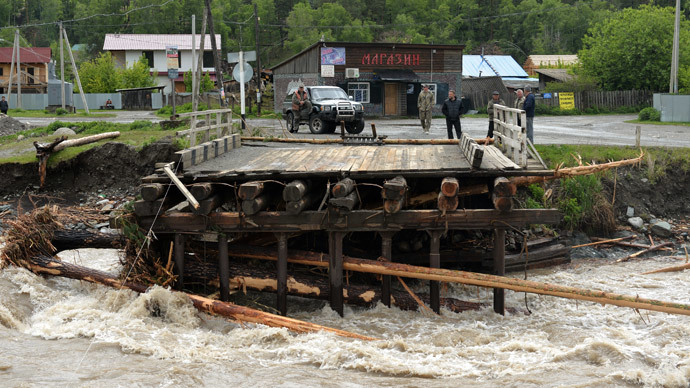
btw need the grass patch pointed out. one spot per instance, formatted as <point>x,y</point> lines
<point>657,122</point>
<point>45,113</point>
<point>137,134</point>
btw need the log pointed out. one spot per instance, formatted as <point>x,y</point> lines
<point>624,244</point>
<point>450,187</point>
<point>206,206</point>
<point>504,187</point>
<point>471,278</point>
<point>347,202</point>
<point>675,268</point>
<point>422,199</point>
<point>466,191</point>
<point>392,206</point>
<point>151,208</point>
<point>295,190</point>
<point>296,207</point>
<point>343,188</point>
<point>250,190</point>
<point>650,249</point>
<point>180,207</point>
<point>313,287</point>
<point>201,191</point>
<point>152,191</point>
<point>502,204</point>
<point>255,205</point>
<point>447,203</point>
<point>85,140</point>
<point>604,241</point>
<point>65,239</point>
<point>45,265</point>
<point>394,188</point>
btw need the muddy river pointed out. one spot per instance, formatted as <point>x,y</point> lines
<point>61,332</point>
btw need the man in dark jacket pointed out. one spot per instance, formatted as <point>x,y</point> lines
<point>452,108</point>
<point>3,106</point>
<point>528,106</point>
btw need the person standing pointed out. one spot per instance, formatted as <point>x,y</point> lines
<point>495,100</point>
<point>3,106</point>
<point>519,102</point>
<point>301,106</point>
<point>425,102</point>
<point>452,108</point>
<point>529,112</point>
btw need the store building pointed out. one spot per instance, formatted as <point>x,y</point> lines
<point>385,77</point>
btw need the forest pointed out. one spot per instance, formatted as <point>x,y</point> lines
<point>514,27</point>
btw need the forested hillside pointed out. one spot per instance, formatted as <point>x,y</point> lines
<point>515,27</point>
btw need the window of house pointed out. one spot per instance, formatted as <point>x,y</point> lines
<point>359,91</point>
<point>179,60</point>
<point>149,57</point>
<point>208,59</point>
<point>31,72</point>
<point>1,73</point>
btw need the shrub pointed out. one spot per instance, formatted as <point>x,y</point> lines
<point>649,114</point>
<point>60,111</point>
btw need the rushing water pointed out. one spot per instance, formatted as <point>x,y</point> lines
<point>62,332</point>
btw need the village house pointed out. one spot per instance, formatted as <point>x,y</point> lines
<point>126,49</point>
<point>534,62</point>
<point>385,77</point>
<point>34,69</point>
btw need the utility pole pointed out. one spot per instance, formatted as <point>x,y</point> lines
<point>19,70</point>
<point>258,62</point>
<point>193,72</point>
<point>62,70</point>
<point>673,87</point>
<point>216,60</point>
<point>76,72</point>
<point>199,66</point>
<point>14,57</point>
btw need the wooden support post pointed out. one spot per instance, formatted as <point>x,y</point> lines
<point>281,303</point>
<point>373,132</point>
<point>638,136</point>
<point>200,191</point>
<point>295,190</point>
<point>250,190</point>
<point>395,188</point>
<point>192,201</point>
<point>335,270</point>
<point>343,188</point>
<point>447,203</point>
<point>450,187</point>
<point>386,253</point>
<point>502,194</point>
<point>223,267</point>
<point>435,262</point>
<point>152,191</point>
<point>499,268</point>
<point>347,202</point>
<point>179,260</point>
<point>253,206</point>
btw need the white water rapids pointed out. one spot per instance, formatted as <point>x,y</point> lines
<point>61,332</point>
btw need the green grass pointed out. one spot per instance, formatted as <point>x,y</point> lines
<point>657,122</point>
<point>137,134</point>
<point>44,113</point>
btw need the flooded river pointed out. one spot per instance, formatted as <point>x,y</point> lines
<point>61,332</point>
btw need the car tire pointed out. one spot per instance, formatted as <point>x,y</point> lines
<point>356,127</point>
<point>331,127</point>
<point>317,126</point>
<point>290,124</point>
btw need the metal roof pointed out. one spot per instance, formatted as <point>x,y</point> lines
<point>115,42</point>
<point>491,65</point>
<point>26,54</point>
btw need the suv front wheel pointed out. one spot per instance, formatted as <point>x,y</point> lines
<point>290,123</point>
<point>356,127</point>
<point>317,126</point>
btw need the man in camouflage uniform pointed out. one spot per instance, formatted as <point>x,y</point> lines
<point>425,102</point>
<point>495,100</point>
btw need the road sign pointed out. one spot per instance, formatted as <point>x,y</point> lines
<point>173,73</point>
<point>247,72</point>
<point>249,56</point>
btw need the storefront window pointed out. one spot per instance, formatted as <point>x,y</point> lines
<point>359,91</point>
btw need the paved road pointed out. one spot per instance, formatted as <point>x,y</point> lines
<point>600,129</point>
<point>121,116</point>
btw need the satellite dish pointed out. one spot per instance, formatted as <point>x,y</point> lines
<point>248,72</point>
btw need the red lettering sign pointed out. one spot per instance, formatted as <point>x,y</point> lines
<point>365,59</point>
<point>390,59</point>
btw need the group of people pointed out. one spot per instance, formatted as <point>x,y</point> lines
<point>452,109</point>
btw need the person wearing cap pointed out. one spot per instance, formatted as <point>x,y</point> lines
<point>452,108</point>
<point>519,102</point>
<point>301,106</point>
<point>528,106</point>
<point>495,100</point>
<point>425,102</point>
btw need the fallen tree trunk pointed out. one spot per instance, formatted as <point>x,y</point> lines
<point>650,249</point>
<point>46,265</point>
<point>471,278</point>
<point>312,287</point>
<point>676,268</point>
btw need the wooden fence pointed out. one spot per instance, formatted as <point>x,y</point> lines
<point>222,128</point>
<point>510,137</point>
<point>583,100</point>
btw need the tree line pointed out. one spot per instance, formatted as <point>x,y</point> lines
<point>514,27</point>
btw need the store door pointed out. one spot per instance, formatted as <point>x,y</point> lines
<point>391,100</point>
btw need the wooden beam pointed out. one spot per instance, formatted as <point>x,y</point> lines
<point>357,220</point>
<point>472,151</point>
<point>447,203</point>
<point>450,187</point>
<point>296,207</point>
<point>499,268</point>
<point>435,262</point>
<point>335,270</point>
<point>256,204</point>
<point>391,206</point>
<point>206,206</point>
<point>295,190</point>
<point>201,191</point>
<point>152,191</point>
<point>178,250</point>
<point>343,188</point>
<point>250,190</point>
<point>387,255</point>
<point>223,267</point>
<point>281,272</point>
<point>347,202</point>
